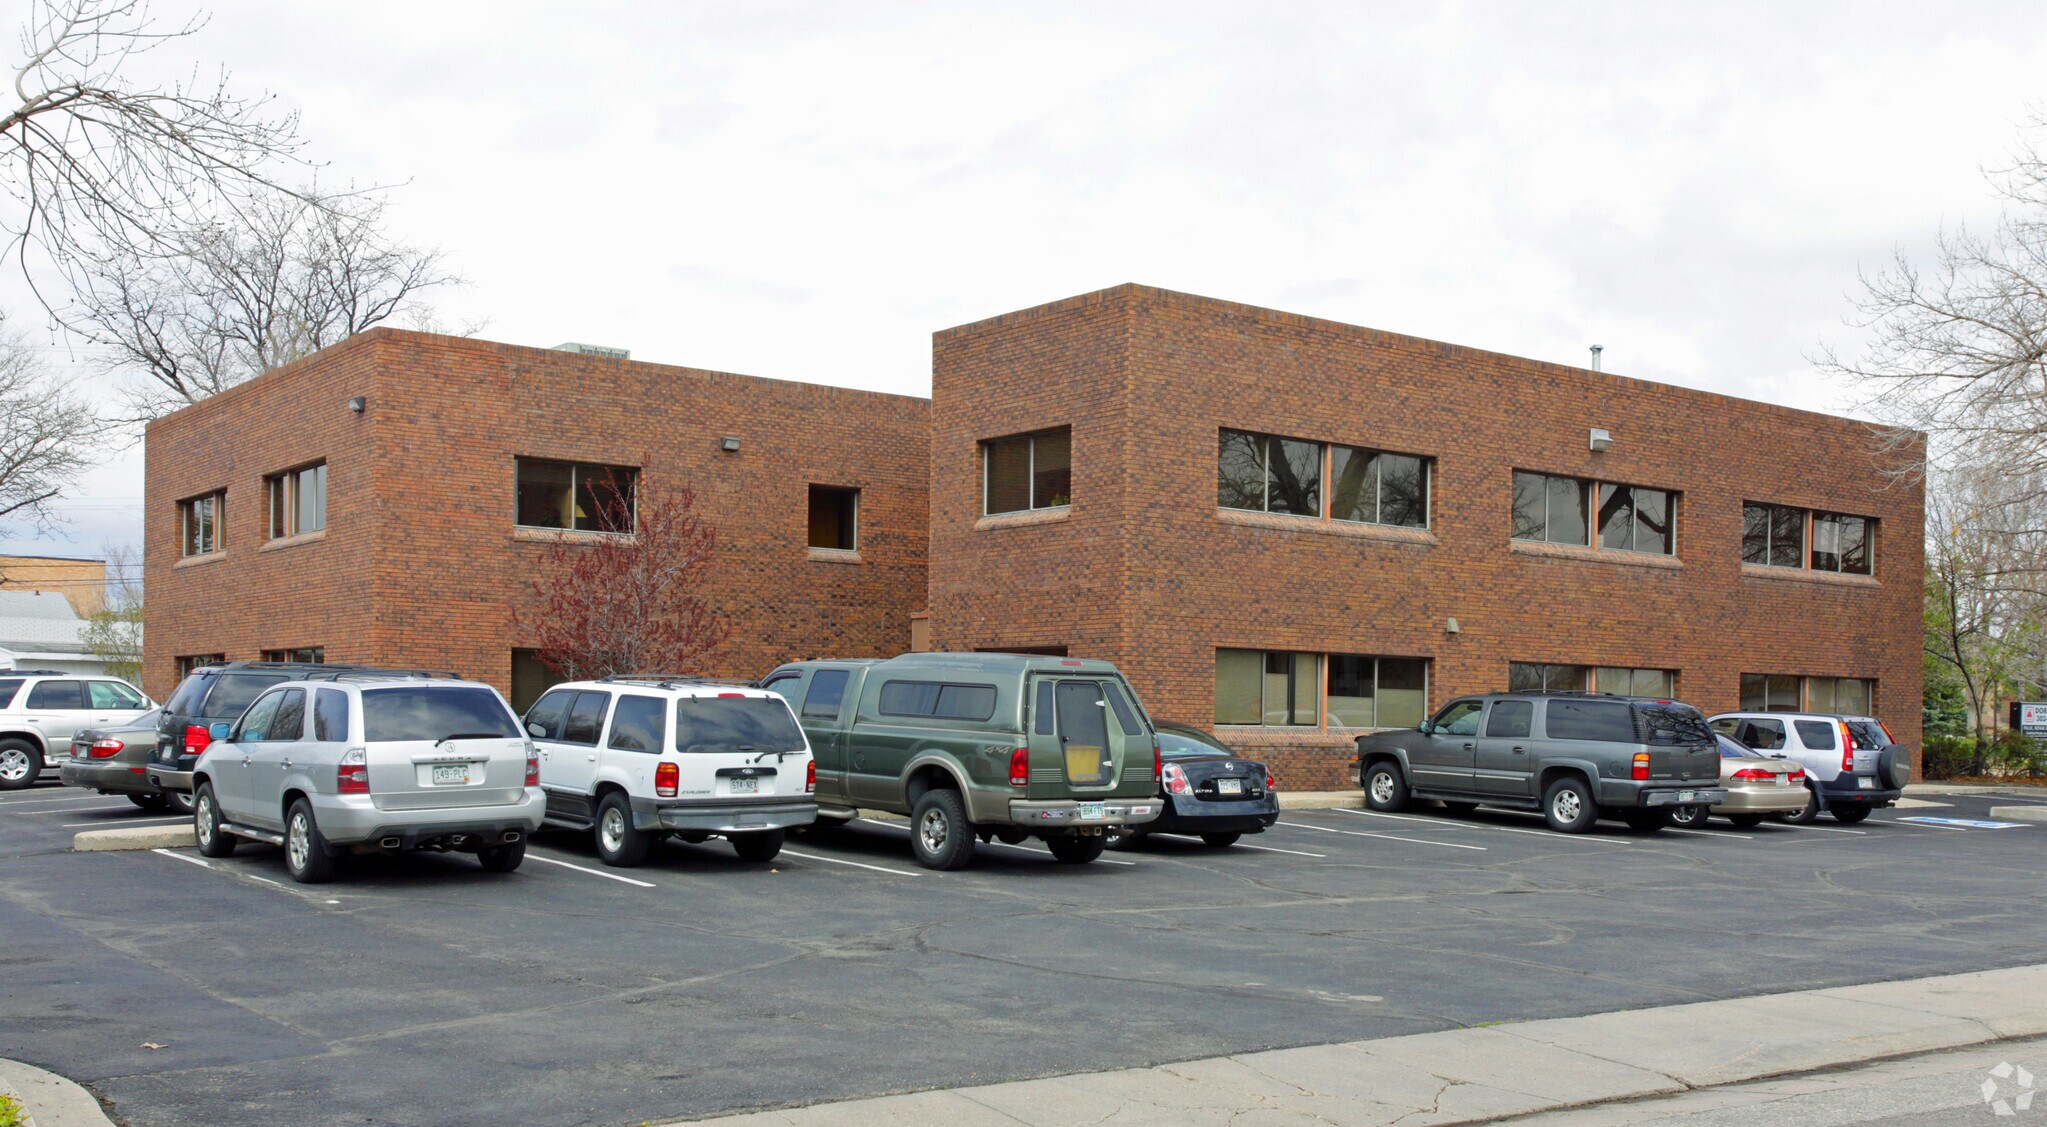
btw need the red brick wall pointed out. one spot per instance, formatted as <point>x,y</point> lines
<point>421,563</point>
<point>1193,580</point>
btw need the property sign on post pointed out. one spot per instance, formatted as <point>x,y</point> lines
<point>2030,718</point>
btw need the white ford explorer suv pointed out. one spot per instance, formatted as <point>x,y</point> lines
<point>39,711</point>
<point>367,761</point>
<point>636,758</point>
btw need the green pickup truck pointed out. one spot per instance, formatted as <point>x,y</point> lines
<point>978,746</point>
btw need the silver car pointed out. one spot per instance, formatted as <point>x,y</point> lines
<point>367,761</point>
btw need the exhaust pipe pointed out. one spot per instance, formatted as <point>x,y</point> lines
<point>390,843</point>
<point>511,836</point>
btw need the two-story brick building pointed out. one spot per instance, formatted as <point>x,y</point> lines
<point>1283,528</point>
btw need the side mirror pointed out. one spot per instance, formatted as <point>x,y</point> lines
<point>218,731</point>
<point>537,731</point>
<point>1426,727</point>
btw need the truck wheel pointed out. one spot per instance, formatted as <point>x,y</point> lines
<point>1745,821</point>
<point>212,840</point>
<point>757,847</point>
<point>1687,817</point>
<point>305,851</point>
<point>1643,821</point>
<point>501,858</point>
<point>1384,788</point>
<point>1076,850</point>
<point>1850,814</point>
<point>1220,841</point>
<point>940,834</point>
<point>20,763</point>
<point>178,801</point>
<point>150,801</point>
<point>1568,807</point>
<point>618,843</point>
<point>1810,812</point>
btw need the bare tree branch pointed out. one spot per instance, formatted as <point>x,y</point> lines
<point>43,435</point>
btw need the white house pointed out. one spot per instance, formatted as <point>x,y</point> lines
<point>40,630</point>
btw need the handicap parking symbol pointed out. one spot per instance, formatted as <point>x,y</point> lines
<point>1965,823</point>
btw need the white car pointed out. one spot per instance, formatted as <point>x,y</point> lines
<point>637,758</point>
<point>40,710</point>
<point>1852,765</point>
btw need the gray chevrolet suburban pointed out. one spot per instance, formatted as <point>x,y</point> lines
<point>1577,757</point>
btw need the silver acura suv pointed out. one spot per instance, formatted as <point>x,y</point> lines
<point>367,761</point>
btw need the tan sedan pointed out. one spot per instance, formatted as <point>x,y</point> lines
<point>1758,787</point>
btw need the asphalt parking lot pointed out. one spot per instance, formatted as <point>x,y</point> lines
<point>422,990</point>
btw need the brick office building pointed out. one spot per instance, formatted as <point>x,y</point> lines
<point>1283,528</point>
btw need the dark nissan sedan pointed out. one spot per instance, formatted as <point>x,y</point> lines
<point>1211,792</point>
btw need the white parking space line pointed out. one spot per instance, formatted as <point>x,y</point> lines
<point>1489,826</point>
<point>114,822</point>
<point>74,811</point>
<point>1823,829</point>
<point>856,864</point>
<point>19,798</point>
<point>1388,837</point>
<point>199,861</point>
<point>1709,833</point>
<point>1274,849</point>
<point>532,856</point>
<point>62,809</point>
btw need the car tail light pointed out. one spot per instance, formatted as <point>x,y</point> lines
<point>1020,767</point>
<point>1888,737</point>
<point>667,778</point>
<point>353,776</point>
<point>103,749</point>
<point>196,739</point>
<point>1175,778</point>
<point>1847,748</point>
<point>532,767</point>
<point>1158,763</point>
<point>1755,773</point>
<point>810,777</point>
<point>1797,775</point>
<point>1269,783</point>
<point>1641,771</point>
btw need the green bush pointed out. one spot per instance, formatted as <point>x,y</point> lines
<point>1949,756</point>
<point>2015,754</point>
<point>11,1112</point>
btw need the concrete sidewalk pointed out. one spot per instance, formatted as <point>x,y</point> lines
<point>49,1099</point>
<point>1473,1075</point>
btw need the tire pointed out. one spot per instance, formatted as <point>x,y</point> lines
<point>1132,838</point>
<point>206,832</point>
<point>1077,850</point>
<point>1687,817</point>
<point>618,843</point>
<point>1568,807</point>
<point>1643,821</point>
<point>758,846</point>
<point>1458,809</point>
<point>305,852</point>
<point>1385,790</point>
<point>1745,821</point>
<point>502,858</point>
<point>150,801</point>
<point>940,834</point>
<point>21,763</point>
<point>1220,841</point>
<point>1850,814</point>
<point>177,801</point>
<point>1809,813</point>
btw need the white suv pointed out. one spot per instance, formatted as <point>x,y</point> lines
<point>637,758</point>
<point>1852,765</point>
<point>40,710</point>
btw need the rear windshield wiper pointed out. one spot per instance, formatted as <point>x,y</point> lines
<point>471,736</point>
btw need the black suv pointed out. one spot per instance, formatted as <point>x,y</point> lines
<point>1576,757</point>
<point>212,694</point>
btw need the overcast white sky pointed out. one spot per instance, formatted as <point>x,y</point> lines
<point>809,190</point>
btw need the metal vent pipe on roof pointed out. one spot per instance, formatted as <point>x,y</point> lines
<point>1596,350</point>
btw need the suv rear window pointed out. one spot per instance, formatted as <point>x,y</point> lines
<point>1816,735</point>
<point>7,691</point>
<point>232,693</point>
<point>1869,735</point>
<point>434,714</point>
<point>186,697</point>
<point>1672,725</point>
<point>1606,721</point>
<point>753,724</point>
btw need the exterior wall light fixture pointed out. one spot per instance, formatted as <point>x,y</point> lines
<point>1600,441</point>
<point>729,444</point>
<point>358,403</point>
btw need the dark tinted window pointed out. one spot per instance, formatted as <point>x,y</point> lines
<point>586,718</point>
<point>939,701</point>
<point>549,712</point>
<point>1672,725</point>
<point>186,697</point>
<point>1606,721</point>
<point>1509,719</point>
<point>232,693</point>
<point>1816,735</point>
<point>636,723</point>
<point>1044,719</point>
<point>827,694</point>
<point>290,722</point>
<point>57,695</point>
<point>1763,735</point>
<point>735,724</point>
<point>7,691</point>
<point>1869,736</point>
<point>434,713</point>
<point>1126,717</point>
<point>330,715</point>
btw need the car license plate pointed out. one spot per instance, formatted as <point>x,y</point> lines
<point>1866,783</point>
<point>451,774</point>
<point>1685,797</point>
<point>1783,780</point>
<point>1090,812</point>
<point>1229,786</point>
<point>746,786</point>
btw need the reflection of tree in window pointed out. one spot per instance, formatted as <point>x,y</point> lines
<point>1294,477</point>
<point>1240,474</point>
<point>1787,536</point>
<point>1354,485</point>
<point>1404,491</point>
<point>1529,523</point>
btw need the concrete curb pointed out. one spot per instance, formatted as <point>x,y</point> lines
<point>49,1099</point>
<point>2019,813</point>
<point>1476,1075</point>
<point>132,837</point>
<point>1322,800</point>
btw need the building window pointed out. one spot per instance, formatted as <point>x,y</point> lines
<point>316,655</point>
<point>1027,471</point>
<point>1269,475</point>
<point>834,518</point>
<point>1529,677</point>
<point>1558,510</point>
<point>298,501</point>
<point>1266,687</point>
<point>189,662</point>
<point>1377,692</point>
<point>1635,519</point>
<point>1784,692</point>
<point>571,495</point>
<point>1841,543</point>
<point>199,521</point>
<point>1776,536</point>
<point>1375,487</point>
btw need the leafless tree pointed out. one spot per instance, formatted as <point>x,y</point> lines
<point>44,430</point>
<point>95,163</point>
<point>283,278</point>
<point>114,634</point>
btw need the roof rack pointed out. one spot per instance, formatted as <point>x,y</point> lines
<point>1560,693</point>
<point>279,665</point>
<point>670,680</point>
<point>37,673</point>
<point>371,673</point>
